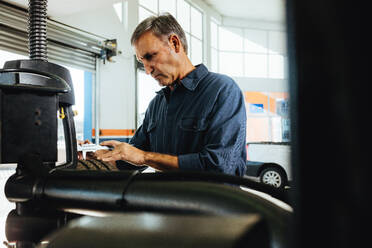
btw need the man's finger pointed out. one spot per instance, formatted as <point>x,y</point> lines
<point>80,155</point>
<point>110,143</point>
<point>114,153</point>
<point>110,159</point>
<point>114,157</point>
<point>104,154</point>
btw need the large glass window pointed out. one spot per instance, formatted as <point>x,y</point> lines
<point>148,87</point>
<point>255,41</point>
<point>214,46</point>
<point>262,52</point>
<point>230,39</point>
<point>267,116</point>
<point>183,15</point>
<point>149,4</point>
<point>169,6</point>
<point>231,63</point>
<point>77,76</point>
<point>255,65</point>
<point>8,56</point>
<point>143,13</point>
<point>188,16</point>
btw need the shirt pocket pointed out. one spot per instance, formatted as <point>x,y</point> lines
<point>193,124</point>
<point>192,132</point>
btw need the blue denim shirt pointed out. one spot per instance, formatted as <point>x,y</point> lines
<point>202,121</point>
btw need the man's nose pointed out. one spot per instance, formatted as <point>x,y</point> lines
<point>148,67</point>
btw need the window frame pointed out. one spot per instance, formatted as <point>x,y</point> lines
<point>269,54</point>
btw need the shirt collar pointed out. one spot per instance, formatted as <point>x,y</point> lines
<point>191,80</point>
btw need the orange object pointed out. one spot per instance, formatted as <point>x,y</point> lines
<point>114,132</point>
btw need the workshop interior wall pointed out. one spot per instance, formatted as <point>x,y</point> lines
<point>117,79</point>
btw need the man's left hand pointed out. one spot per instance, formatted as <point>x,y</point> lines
<point>121,151</point>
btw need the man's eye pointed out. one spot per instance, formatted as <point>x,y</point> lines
<point>149,56</point>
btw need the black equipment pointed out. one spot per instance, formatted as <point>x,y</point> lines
<point>48,197</point>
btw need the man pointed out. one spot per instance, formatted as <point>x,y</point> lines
<point>196,122</point>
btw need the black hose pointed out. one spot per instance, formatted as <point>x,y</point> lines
<point>280,194</point>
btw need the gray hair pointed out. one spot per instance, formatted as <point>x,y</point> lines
<point>162,25</point>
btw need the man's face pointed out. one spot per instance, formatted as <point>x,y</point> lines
<point>158,58</point>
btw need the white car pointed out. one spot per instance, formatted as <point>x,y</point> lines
<point>269,162</point>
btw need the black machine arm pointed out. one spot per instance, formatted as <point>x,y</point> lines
<point>105,193</point>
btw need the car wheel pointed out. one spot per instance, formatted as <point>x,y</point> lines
<point>274,177</point>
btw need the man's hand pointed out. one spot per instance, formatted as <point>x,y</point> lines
<point>135,156</point>
<point>80,154</point>
<point>121,151</point>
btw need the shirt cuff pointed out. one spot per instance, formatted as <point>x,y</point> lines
<point>190,162</point>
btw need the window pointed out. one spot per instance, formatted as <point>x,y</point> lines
<point>256,53</point>
<point>189,17</point>
<point>255,65</point>
<point>78,79</point>
<point>231,63</point>
<point>191,20</point>
<point>149,4</point>
<point>148,88</point>
<point>267,116</point>
<point>255,41</point>
<point>214,46</point>
<point>196,19</point>
<point>8,56</point>
<point>169,6</point>
<point>230,39</point>
<point>118,7</point>
<point>183,15</point>
<point>144,13</point>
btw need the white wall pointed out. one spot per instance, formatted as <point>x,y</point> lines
<point>117,80</point>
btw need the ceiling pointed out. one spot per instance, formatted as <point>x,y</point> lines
<point>260,10</point>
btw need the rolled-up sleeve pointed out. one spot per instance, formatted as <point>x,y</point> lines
<point>224,146</point>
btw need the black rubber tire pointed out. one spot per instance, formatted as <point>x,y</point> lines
<point>273,176</point>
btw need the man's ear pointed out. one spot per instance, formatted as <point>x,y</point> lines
<point>175,43</point>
